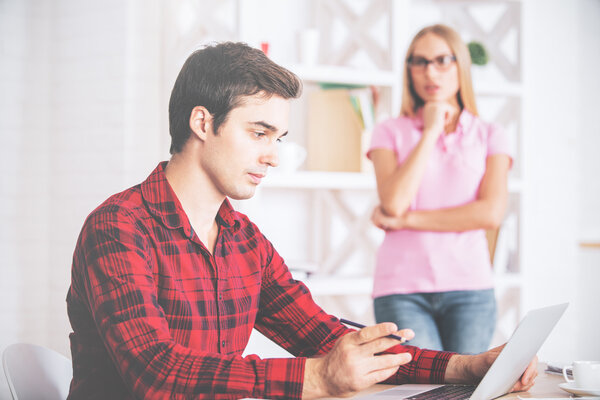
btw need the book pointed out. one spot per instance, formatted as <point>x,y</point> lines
<point>334,132</point>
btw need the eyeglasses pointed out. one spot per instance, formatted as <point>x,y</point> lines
<point>441,63</point>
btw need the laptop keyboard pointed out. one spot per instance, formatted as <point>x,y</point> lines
<point>446,392</point>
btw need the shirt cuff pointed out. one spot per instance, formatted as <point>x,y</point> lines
<point>426,366</point>
<point>431,366</point>
<point>284,378</point>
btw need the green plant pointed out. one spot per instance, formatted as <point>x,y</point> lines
<point>478,53</point>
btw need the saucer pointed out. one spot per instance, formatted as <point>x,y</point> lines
<point>571,388</point>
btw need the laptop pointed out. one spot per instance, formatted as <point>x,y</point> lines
<point>506,370</point>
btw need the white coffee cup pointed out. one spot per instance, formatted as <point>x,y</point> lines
<point>291,157</point>
<point>586,374</point>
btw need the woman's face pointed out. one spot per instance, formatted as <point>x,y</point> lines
<point>433,70</point>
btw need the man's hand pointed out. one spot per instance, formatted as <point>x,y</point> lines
<point>354,363</point>
<point>470,369</point>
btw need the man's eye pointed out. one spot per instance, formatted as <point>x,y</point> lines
<point>259,133</point>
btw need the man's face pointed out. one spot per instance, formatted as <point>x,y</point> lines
<point>238,156</point>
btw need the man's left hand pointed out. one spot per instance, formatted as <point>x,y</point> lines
<point>470,369</point>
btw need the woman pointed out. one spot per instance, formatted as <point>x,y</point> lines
<point>442,181</point>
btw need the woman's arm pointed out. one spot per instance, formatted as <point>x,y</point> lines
<point>397,185</point>
<point>486,212</point>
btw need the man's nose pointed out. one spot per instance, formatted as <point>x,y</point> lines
<point>271,155</point>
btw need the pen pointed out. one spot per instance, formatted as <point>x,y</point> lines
<point>357,325</point>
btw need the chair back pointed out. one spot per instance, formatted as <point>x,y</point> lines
<point>36,372</point>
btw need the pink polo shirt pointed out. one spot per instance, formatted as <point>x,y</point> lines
<point>410,261</point>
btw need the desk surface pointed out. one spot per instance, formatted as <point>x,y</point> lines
<point>546,386</point>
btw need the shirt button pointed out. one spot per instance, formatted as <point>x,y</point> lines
<point>220,296</point>
<point>223,343</point>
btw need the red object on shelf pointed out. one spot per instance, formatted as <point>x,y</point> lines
<point>264,46</point>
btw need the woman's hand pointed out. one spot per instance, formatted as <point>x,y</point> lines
<point>437,115</point>
<point>385,222</point>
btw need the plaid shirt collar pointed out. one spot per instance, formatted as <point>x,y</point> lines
<point>163,204</point>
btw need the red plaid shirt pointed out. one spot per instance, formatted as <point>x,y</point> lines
<point>155,315</point>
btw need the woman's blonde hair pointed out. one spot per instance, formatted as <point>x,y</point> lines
<point>411,102</point>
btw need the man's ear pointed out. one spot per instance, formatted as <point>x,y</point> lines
<point>201,122</point>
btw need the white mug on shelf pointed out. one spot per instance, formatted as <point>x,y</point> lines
<point>291,157</point>
<point>586,374</point>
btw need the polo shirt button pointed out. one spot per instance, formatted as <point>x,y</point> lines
<point>220,296</point>
<point>223,343</point>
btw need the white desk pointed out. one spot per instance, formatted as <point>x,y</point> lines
<point>546,386</point>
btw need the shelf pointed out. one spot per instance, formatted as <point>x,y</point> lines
<point>504,89</point>
<point>589,239</point>
<point>353,76</point>
<point>344,75</point>
<point>508,279</point>
<point>339,286</point>
<point>338,180</point>
<point>320,180</point>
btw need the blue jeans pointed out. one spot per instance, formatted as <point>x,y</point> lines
<point>460,321</point>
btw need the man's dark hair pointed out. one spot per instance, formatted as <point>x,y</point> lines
<point>218,77</point>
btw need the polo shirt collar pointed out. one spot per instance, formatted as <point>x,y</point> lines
<point>163,204</point>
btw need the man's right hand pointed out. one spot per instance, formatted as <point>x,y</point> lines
<point>354,363</point>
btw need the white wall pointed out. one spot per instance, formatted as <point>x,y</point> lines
<point>588,143</point>
<point>588,147</point>
<point>550,162</point>
<point>558,39</point>
<point>24,117</point>
<point>80,120</point>
<point>24,120</point>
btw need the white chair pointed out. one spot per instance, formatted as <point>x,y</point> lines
<point>35,372</point>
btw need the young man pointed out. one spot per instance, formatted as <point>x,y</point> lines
<point>168,280</point>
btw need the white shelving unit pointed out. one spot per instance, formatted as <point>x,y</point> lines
<point>362,43</point>
<point>340,180</point>
<point>321,180</point>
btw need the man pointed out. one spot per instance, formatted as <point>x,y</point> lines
<point>168,280</point>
